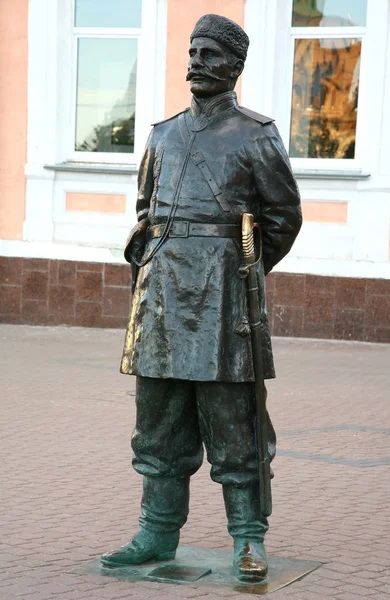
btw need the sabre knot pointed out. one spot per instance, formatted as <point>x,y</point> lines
<point>243,329</point>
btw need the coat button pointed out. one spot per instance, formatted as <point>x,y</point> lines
<point>199,124</point>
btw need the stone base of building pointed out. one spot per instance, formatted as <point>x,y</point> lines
<point>57,292</point>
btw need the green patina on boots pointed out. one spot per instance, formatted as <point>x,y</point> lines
<point>165,504</point>
<point>145,545</point>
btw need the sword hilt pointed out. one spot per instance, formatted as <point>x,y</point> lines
<point>248,239</point>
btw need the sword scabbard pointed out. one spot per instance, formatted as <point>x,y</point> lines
<point>249,252</point>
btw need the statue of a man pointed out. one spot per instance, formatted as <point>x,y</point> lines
<point>186,341</point>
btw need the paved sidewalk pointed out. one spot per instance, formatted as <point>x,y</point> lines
<point>68,491</point>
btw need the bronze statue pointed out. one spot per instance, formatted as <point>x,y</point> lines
<point>188,340</point>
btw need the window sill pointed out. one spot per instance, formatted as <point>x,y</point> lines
<point>116,169</point>
<point>331,174</point>
<point>79,167</point>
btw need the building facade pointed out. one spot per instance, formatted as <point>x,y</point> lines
<point>82,80</point>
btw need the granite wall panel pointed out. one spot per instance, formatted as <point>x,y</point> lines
<point>59,292</point>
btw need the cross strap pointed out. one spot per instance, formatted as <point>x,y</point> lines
<point>200,162</point>
<point>175,200</point>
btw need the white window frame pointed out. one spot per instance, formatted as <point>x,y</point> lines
<point>102,33</point>
<point>268,75</point>
<point>320,33</point>
<point>148,107</point>
<point>51,106</point>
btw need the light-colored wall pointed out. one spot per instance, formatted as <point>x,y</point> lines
<point>13,111</point>
<point>182,16</point>
<point>96,203</point>
<point>325,212</point>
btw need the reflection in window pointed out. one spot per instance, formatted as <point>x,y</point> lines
<point>324,98</point>
<point>112,13</point>
<point>106,87</point>
<point>329,13</point>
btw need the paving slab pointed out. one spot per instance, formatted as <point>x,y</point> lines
<point>69,493</point>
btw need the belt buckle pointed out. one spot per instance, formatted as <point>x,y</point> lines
<point>180,229</point>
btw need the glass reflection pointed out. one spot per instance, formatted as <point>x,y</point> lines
<point>325,98</point>
<point>101,13</point>
<point>329,13</point>
<point>106,87</point>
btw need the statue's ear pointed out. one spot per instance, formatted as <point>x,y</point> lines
<point>237,69</point>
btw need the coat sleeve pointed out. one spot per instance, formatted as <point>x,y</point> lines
<point>279,216</point>
<point>145,178</point>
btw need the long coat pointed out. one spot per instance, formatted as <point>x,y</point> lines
<point>189,299</point>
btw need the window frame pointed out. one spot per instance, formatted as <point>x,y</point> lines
<point>268,76</point>
<point>97,33</point>
<point>320,33</point>
<point>330,33</point>
<point>146,103</point>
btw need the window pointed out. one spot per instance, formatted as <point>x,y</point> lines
<point>106,39</point>
<point>327,37</point>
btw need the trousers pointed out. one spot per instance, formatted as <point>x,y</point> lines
<point>175,418</point>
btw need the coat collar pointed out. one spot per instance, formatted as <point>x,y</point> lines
<point>214,106</point>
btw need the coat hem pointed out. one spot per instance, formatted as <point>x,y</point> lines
<point>137,373</point>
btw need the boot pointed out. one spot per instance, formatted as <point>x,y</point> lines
<point>164,511</point>
<point>145,545</point>
<point>250,560</point>
<point>247,527</point>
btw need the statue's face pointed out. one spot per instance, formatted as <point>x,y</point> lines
<point>210,68</point>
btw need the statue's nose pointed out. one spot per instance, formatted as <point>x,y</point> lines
<point>195,61</point>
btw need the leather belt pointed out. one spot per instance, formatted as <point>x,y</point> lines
<point>185,229</point>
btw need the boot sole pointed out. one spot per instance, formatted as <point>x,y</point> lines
<point>250,578</point>
<point>166,556</point>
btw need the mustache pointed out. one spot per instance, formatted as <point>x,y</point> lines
<point>203,73</point>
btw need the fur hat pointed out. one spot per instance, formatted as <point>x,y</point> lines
<point>222,30</point>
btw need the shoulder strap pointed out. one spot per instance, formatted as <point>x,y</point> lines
<point>200,162</point>
<point>254,115</point>
<point>170,118</point>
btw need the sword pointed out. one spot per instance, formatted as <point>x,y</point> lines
<point>248,271</point>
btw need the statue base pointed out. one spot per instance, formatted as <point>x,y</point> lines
<point>207,568</point>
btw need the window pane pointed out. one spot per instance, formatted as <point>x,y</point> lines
<point>324,98</point>
<point>106,84</point>
<point>108,13</point>
<point>329,13</point>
